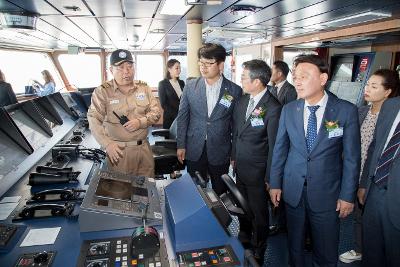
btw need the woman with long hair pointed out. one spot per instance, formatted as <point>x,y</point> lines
<point>170,91</point>
<point>7,95</point>
<point>49,85</point>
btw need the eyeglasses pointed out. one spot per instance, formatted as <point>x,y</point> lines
<point>206,64</point>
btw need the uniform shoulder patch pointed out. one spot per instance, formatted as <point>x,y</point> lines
<point>139,82</point>
<point>106,85</point>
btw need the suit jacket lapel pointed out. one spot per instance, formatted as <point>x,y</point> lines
<point>202,96</point>
<point>387,126</point>
<point>172,89</point>
<point>282,91</point>
<point>299,122</point>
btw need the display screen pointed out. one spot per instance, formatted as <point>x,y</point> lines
<point>109,188</point>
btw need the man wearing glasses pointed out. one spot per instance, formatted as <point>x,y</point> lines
<point>205,118</point>
<point>121,112</point>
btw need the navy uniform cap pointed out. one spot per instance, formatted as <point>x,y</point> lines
<point>120,56</point>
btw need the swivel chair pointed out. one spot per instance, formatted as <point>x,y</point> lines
<point>164,152</point>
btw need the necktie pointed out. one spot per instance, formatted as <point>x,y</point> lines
<point>311,127</point>
<point>250,108</point>
<point>386,159</point>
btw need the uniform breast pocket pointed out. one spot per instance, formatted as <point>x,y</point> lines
<point>142,106</point>
<point>117,108</point>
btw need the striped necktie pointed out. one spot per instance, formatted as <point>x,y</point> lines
<point>311,127</point>
<point>250,108</point>
<point>386,159</point>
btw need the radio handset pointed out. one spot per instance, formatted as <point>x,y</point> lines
<point>122,119</point>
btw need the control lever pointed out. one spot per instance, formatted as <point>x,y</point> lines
<point>200,180</point>
<point>44,178</point>
<point>53,170</point>
<point>249,259</point>
<point>122,119</point>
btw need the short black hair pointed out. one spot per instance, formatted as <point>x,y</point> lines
<point>316,60</point>
<point>390,80</point>
<point>282,66</point>
<point>170,64</point>
<point>258,69</point>
<point>212,51</point>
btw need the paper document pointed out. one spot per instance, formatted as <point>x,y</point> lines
<point>43,236</point>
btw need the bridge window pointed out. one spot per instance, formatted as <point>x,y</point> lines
<point>150,68</point>
<point>82,70</point>
<point>20,68</point>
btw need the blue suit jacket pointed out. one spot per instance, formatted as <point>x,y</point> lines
<point>331,168</point>
<point>387,115</point>
<point>193,123</point>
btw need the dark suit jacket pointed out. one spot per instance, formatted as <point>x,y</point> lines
<point>362,113</point>
<point>287,93</point>
<point>253,146</point>
<point>331,168</point>
<point>7,95</point>
<point>194,124</point>
<point>387,115</point>
<point>169,101</point>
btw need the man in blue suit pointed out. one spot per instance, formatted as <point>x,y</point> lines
<point>204,122</point>
<point>380,189</point>
<point>315,163</point>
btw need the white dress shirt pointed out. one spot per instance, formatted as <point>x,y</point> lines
<point>319,113</point>
<point>212,93</point>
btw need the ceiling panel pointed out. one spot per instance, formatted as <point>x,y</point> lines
<point>108,8</point>
<point>115,28</point>
<point>47,28</point>
<point>276,10</point>
<point>81,8</point>
<point>91,27</point>
<point>36,6</point>
<point>9,7</point>
<point>139,9</point>
<point>64,24</point>
<point>133,29</point>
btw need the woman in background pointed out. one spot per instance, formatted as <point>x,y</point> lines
<point>382,85</point>
<point>48,87</point>
<point>7,95</point>
<point>170,91</point>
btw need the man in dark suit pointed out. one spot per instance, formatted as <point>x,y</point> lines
<point>316,162</point>
<point>380,189</point>
<point>282,89</point>
<point>204,122</point>
<point>256,119</point>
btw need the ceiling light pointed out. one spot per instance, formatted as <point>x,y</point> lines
<point>174,7</point>
<point>357,18</point>
<point>243,10</point>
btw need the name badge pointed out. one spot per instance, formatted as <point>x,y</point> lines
<point>114,101</point>
<point>225,102</point>
<point>336,133</point>
<point>140,96</point>
<point>256,122</point>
